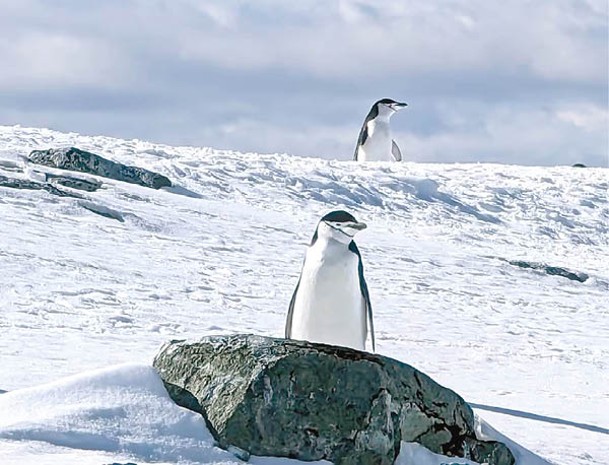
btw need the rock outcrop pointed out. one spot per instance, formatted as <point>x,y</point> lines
<point>82,161</point>
<point>551,270</point>
<point>88,185</point>
<point>308,401</point>
<point>16,183</point>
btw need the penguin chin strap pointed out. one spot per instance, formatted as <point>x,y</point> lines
<point>340,231</point>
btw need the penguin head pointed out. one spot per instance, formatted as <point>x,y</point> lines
<point>338,225</point>
<point>387,106</point>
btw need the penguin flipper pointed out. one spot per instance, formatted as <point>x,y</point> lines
<point>288,323</point>
<point>363,136</point>
<point>395,151</point>
<point>369,326</point>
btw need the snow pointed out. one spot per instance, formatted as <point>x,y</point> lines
<point>221,253</point>
<point>522,455</point>
<point>122,410</point>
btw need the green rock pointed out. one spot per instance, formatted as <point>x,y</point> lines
<point>296,399</point>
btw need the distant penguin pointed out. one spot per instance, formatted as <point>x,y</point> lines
<point>374,142</point>
<point>331,304</point>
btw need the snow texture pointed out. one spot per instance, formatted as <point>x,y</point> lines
<point>221,253</point>
<point>123,409</point>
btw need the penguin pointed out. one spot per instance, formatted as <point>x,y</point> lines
<point>331,303</point>
<point>374,142</point>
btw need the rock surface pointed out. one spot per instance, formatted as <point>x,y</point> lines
<point>88,185</point>
<point>308,401</point>
<point>15,183</point>
<point>82,161</point>
<point>551,270</point>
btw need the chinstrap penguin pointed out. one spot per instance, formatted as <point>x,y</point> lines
<point>331,303</point>
<point>374,142</point>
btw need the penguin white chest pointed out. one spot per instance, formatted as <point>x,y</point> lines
<point>377,146</point>
<point>329,307</point>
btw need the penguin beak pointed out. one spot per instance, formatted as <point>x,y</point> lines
<point>350,228</point>
<point>397,106</point>
<point>358,226</point>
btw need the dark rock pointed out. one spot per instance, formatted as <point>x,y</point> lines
<point>551,270</point>
<point>33,185</point>
<point>288,398</point>
<point>579,165</point>
<point>88,185</point>
<point>490,452</point>
<point>82,161</point>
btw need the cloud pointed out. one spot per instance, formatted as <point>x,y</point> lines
<point>484,80</point>
<point>60,60</point>
<point>550,136</point>
<point>548,39</point>
<point>587,117</point>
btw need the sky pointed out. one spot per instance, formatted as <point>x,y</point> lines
<point>512,81</point>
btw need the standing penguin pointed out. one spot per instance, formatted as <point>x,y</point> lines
<point>374,142</point>
<point>331,304</point>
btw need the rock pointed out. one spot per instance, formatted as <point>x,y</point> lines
<point>239,453</point>
<point>551,270</point>
<point>578,165</point>
<point>490,452</point>
<point>88,185</point>
<point>295,399</point>
<point>82,161</point>
<point>15,183</point>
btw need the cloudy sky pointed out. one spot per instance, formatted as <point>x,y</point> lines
<point>510,81</point>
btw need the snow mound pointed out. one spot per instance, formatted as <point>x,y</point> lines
<point>123,410</point>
